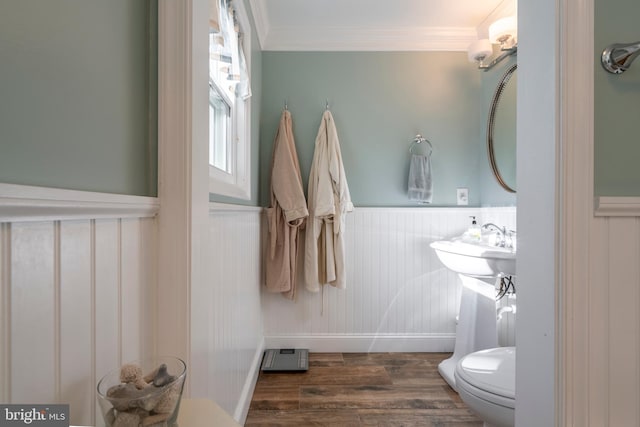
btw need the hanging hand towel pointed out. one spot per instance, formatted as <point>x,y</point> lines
<point>420,182</point>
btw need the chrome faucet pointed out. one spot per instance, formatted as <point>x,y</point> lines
<point>505,237</point>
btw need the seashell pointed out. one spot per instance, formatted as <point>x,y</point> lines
<point>162,376</point>
<point>127,419</point>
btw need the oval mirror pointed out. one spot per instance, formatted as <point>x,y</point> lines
<point>501,131</point>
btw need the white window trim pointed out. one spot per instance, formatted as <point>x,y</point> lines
<point>237,184</point>
<point>230,132</point>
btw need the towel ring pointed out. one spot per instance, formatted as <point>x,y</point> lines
<point>419,139</point>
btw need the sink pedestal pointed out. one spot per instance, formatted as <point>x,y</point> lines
<point>479,267</point>
<point>477,323</point>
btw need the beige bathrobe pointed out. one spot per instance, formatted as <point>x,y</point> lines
<point>329,200</point>
<point>286,214</point>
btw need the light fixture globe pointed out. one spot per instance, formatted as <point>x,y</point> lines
<point>479,50</point>
<point>504,31</point>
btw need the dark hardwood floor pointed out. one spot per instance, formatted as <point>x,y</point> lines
<point>360,389</point>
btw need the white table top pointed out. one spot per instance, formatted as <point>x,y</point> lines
<point>203,413</point>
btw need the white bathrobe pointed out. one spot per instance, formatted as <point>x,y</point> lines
<point>328,200</point>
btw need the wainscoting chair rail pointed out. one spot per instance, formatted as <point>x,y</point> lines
<point>28,203</point>
<point>617,206</point>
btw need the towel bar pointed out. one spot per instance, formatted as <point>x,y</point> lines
<point>419,139</point>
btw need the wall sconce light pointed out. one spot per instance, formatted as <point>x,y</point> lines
<point>503,32</point>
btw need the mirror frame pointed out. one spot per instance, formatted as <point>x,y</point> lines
<point>491,123</point>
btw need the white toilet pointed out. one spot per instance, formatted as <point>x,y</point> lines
<point>486,382</point>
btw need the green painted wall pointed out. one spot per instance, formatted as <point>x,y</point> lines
<point>617,103</point>
<point>78,107</point>
<point>78,94</point>
<point>380,100</point>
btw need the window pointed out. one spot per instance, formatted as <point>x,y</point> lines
<point>229,100</point>
<point>219,125</point>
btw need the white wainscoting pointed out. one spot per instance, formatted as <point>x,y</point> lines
<point>235,329</point>
<point>76,301</point>
<point>76,298</point>
<point>399,296</point>
<point>612,315</point>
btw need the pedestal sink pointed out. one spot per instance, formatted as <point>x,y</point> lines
<point>479,267</point>
<point>476,259</point>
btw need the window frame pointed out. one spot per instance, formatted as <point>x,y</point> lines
<point>237,182</point>
<point>213,87</point>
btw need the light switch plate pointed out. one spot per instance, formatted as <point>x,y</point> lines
<point>463,196</point>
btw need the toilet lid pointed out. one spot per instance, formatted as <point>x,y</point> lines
<point>492,371</point>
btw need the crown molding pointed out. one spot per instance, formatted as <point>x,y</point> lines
<point>261,20</point>
<point>304,38</point>
<point>369,39</point>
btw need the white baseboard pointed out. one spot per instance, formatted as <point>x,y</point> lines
<point>242,408</point>
<point>365,343</point>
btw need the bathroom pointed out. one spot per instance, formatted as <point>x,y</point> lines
<point>98,270</point>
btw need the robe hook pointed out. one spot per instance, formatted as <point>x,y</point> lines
<point>617,58</point>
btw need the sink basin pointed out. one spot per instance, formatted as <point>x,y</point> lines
<point>476,259</point>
